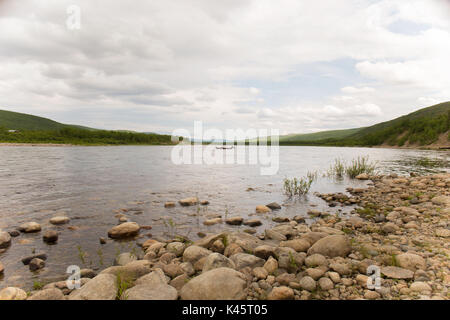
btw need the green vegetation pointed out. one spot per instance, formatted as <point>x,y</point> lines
<point>358,166</point>
<point>83,137</point>
<point>322,135</point>
<point>122,285</point>
<point>296,186</point>
<point>21,121</point>
<point>421,128</point>
<point>37,285</point>
<point>32,129</point>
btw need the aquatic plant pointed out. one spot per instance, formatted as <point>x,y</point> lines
<point>296,186</point>
<point>360,165</point>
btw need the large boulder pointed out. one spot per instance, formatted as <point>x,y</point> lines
<point>12,293</point>
<point>194,253</point>
<point>102,287</point>
<point>48,294</point>
<point>242,260</point>
<point>331,246</point>
<point>124,230</point>
<point>150,292</point>
<point>299,245</point>
<point>5,239</point>
<point>30,227</point>
<point>411,261</point>
<point>217,260</point>
<point>397,273</point>
<point>216,284</point>
<point>130,271</point>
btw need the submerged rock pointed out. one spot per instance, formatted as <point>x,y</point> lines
<point>30,227</point>
<point>5,239</point>
<point>262,209</point>
<point>124,230</point>
<point>189,201</point>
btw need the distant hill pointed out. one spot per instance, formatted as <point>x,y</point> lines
<point>320,135</point>
<point>424,127</point>
<point>21,121</point>
<point>33,129</point>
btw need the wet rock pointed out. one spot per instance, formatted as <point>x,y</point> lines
<point>299,219</point>
<point>204,202</point>
<point>2,268</point>
<point>362,176</point>
<point>211,222</point>
<point>36,264</point>
<point>281,293</point>
<point>5,240</point>
<point>273,206</point>
<point>59,220</point>
<point>102,240</point>
<point>87,273</point>
<point>12,293</point>
<point>280,219</point>
<point>102,287</point>
<point>262,209</point>
<point>48,294</point>
<point>30,227</point>
<point>27,260</point>
<point>235,221</point>
<point>217,260</point>
<point>124,258</point>
<point>397,273</point>
<point>14,233</point>
<point>50,236</point>
<point>253,222</point>
<point>331,246</point>
<point>169,204</point>
<point>216,284</point>
<point>124,230</point>
<point>192,201</point>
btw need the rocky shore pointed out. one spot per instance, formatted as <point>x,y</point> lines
<point>399,227</point>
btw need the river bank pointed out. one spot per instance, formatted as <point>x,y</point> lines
<point>400,225</point>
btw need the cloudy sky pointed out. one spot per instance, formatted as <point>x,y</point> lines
<point>298,66</point>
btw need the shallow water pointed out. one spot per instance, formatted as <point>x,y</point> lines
<point>90,185</point>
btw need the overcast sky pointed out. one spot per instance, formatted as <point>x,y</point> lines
<point>298,66</point>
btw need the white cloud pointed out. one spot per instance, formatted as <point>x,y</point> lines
<point>164,64</point>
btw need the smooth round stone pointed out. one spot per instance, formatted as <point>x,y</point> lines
<point>12,293</point>
<point>50,236</point>
<point>59,220</point>
<point>30,227</point>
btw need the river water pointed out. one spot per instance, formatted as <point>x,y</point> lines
<point>92,184</point>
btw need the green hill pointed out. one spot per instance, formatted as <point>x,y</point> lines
<point>420,128</point>
<point>21,121</point>
<point>33,129</point>
<point>319,135</point>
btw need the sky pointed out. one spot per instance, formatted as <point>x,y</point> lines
<point>294,65</point>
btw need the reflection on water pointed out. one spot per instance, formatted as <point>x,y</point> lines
<point>93,184</point>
